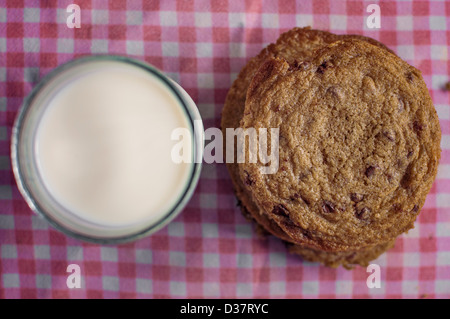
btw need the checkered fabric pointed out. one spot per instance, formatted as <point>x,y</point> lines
<point>210,250</point>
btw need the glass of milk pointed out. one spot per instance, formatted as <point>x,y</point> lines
<point>92,149</point>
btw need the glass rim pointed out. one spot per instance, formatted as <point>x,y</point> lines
<point>190,182</point>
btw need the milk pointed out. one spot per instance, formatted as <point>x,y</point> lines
<point>103,146</point>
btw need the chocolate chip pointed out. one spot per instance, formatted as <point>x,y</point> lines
<point>418,127</point>
<point>389,136</point>
<point>356,197</point>
<point>328,207</point>
<point>410,77</point>
<point>248,179</point>
<point>370,171</point>
<point>415,209</point>
<point>322,67</point>
<point>396,208</point>
<point>293,65</point>
<point>409,154</point>
<point>280,210</point>
<point>299,65</point>
<point>307,202</point>
<point>307,234</point>
<point>363,213</point>
<point>406,180</point>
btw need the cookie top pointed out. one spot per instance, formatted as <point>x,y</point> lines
<point>297,44</point>
<point>358,145</point>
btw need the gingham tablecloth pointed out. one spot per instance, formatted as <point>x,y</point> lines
<point>210,250</point>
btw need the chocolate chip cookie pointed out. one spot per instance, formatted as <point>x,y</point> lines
<point>295,45</point>
<point>358,145</point>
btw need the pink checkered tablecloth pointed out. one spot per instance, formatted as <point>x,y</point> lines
<point>209,250</point>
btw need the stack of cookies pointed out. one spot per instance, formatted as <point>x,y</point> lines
<point>359,144</point>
